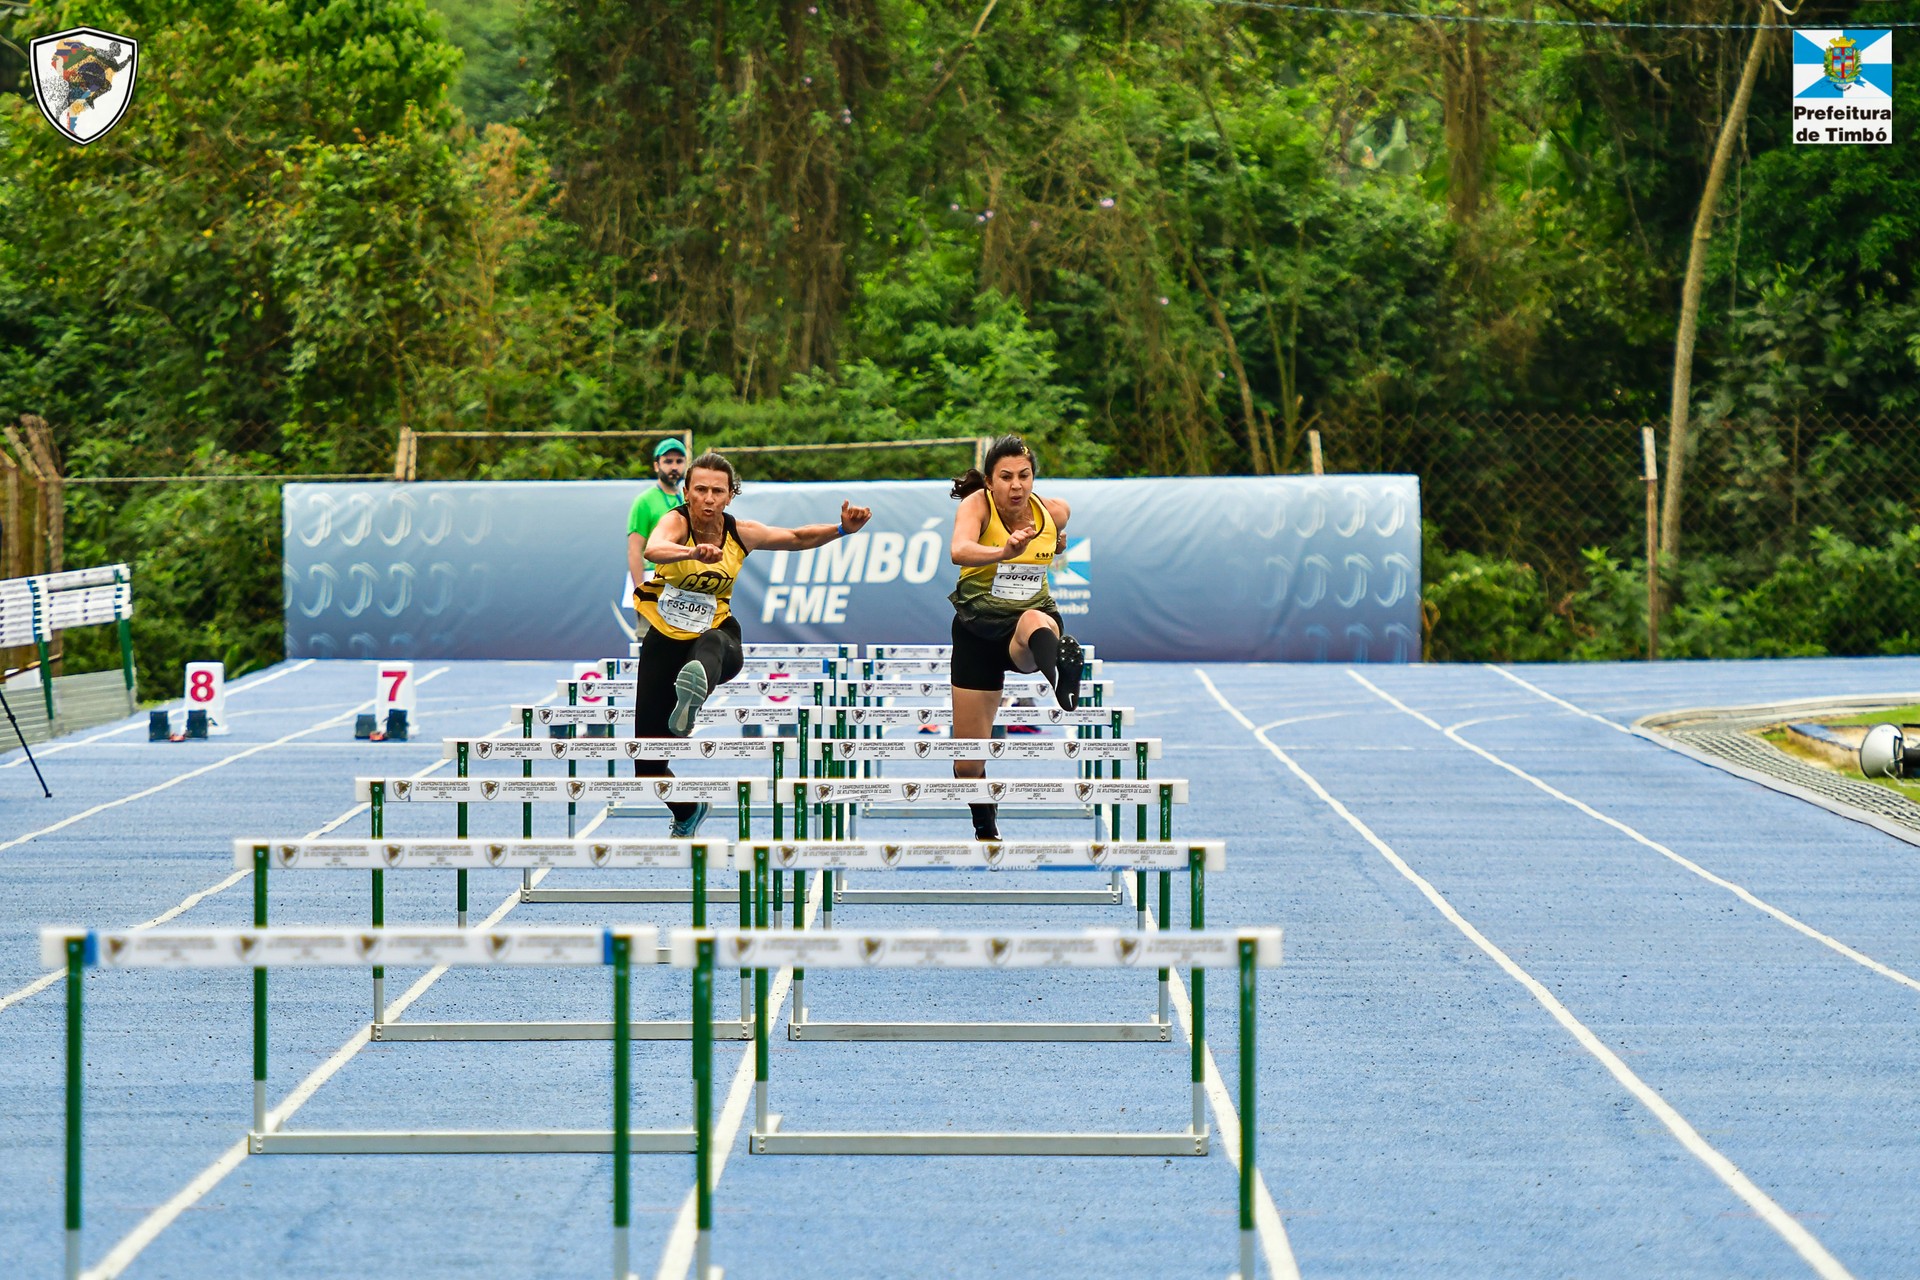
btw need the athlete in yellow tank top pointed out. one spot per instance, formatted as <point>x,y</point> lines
<point>1005,537</point>
<point>693,642</point>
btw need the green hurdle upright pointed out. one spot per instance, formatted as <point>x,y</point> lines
<point>263,949</point>
<point>764,950</point>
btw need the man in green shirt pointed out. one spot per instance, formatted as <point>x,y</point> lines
<point>669,471</point>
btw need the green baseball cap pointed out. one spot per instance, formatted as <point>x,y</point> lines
<point>668,446</point>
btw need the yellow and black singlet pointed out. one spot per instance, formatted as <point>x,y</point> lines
<point>683,599</point>
<point>1008,588</point>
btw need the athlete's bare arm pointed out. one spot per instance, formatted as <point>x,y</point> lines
<point>755,536</point>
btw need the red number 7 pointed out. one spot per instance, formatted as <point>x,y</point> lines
<point>393,694</point>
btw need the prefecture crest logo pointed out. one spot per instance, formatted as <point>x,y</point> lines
<point>1842,62</point>
<point>83,80</point>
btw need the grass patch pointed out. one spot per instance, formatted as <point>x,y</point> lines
<point>1909,714</point>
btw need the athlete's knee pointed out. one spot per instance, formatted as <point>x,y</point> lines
<point>969,768</point>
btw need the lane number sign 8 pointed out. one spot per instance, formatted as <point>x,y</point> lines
<point>207,691</point>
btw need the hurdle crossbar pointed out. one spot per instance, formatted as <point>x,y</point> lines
<point>264,949</point>
<point>929,652</point>
<point>1197,857</point>
<point>762,951</point>
<point>462,854</point>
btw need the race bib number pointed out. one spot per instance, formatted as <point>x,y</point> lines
<point>687,610</point>
<point>1019,581</point>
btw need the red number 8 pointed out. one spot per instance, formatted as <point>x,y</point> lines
<point>200,687</point>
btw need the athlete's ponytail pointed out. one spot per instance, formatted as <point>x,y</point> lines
<point>975,478</point>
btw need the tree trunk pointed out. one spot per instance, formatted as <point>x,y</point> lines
<point>1677,429</point>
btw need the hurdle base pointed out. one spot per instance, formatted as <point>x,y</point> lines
<point>625,895</point>
<point>668,1029</point>
<point>983,897</point>
<point>774,1142</point>
<point>465,1142</point>
<point>1018,1032</point>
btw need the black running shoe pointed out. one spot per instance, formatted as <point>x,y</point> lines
<point>1066,688</point>
<point>986,822</point>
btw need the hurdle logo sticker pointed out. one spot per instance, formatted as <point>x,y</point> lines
<point>999,949</point>
<point>394,854</point>
<point>996,789</point>
<point>1127,949</point>
<point>488,790</point>
<point>890,854</point>
<point>663,789</point>
<point>707,749</point>
<point>909,791</point>
<point>601,854</point>
<point>1083,789</point>
<point>1070,749</point>
<point>996,749</point>
<point>996,855</point>
<point>1843,87</point>
<point>871,949</point>
<point>632,748</point>
<point>1096,853</point>
<point>498,945</point>
<point>741,946</point>
<point>575,790</point>
<point>496,854</point>
<point>289,854</point>
<point>784,854</point>
<point>922,749</point>
<point>559,749</point>
<point>400,789</point>
<point>483,749</point>
<point>366,944</point>
<point>243,946</point>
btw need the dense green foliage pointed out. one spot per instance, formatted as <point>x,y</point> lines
<point>1155,235</point>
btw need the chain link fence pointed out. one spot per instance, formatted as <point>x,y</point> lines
<point>1799,535</point>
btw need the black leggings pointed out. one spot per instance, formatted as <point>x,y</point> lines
<point>661,658</point>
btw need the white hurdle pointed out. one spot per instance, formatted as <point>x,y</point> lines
<point>1197,857</point>
<point>462,854</point>
<point>261,949</point>
<point>763,951</point>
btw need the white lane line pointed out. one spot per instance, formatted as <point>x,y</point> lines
<point>1562,702</point>
<point>1797,1237</point>
<point>175,781</point>
<point>207,1179</point>
<point>1738,891</point>
<point>677,1258</point>
<point>1281,1264</point>
<point>243,687</point>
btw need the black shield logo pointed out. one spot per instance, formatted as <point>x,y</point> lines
<point>632,748</point>
<point>559,748</point>
<point>484,750</point>
<point>709,749</point>
<point>546,715</point>
<point>1083,789</point>
<point>1071,750</point>
<point>996,749</point>
<point>923,749</point>
<point>1055,714</point>
<point>83,80</point>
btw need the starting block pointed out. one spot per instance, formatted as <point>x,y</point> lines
<point>367,728</point>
